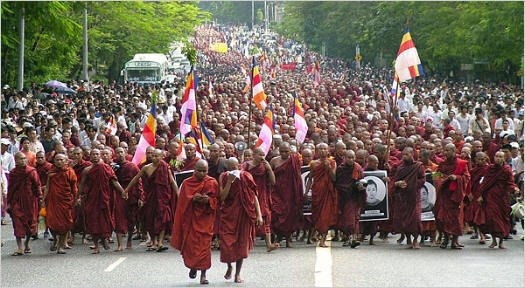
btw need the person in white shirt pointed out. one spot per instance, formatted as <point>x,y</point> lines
<point>8,162</point>
<point>435,115</point>
<point>499,121</point>
<point>402,104</point>
<point>464,121</point>
<point>453,121</point>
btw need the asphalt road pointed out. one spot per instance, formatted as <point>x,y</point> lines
<point>382,265</point>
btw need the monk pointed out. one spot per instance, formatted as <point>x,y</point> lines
<point>450,193</point>
<point>78,163</point>
<point>240,214</point>
<point>23,198</point>
<point>263,176</point>
<point>325,209</point>
<point>96,184</point>
<point>287,194</point>
<point>159,186</point>
<point>42,168</point>
<point>194,219</point>
<point>495,190</point>
<point>191,157</point>
<point>126,211</point>
<point>216,165</point>
<point>478,171</point>
<point>352,197</point>
<point>408,180</point>
<point>60,194</point>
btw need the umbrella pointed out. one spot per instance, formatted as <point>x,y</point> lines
<point>55,84</point>
<point>65,90</point>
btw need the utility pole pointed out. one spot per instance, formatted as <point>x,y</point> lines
<point>85,73</point>
<point>253,14</point>
<point>265,17</point>
<point>21,47</point>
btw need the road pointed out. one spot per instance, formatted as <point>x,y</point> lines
<point>382,265</point>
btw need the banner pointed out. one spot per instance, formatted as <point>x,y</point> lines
<point>376,196</point>
<point>428,198</point>
<point>219,47</point>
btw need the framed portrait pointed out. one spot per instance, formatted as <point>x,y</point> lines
<point>428,198</point>
<point>376,208</point>
<point>181,176</point>
<point>307,199</point>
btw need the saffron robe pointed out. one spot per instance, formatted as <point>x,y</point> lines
<point>60,200</point>
<point>325,207</point>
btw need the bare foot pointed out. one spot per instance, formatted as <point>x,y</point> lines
<point>410,246</point>
<point>371,242</point>
<point>95,251</point>
<point>272,247</point>
<point>119,249</point>
<point>502,247</point>
<point>204,281</point>
<point>238,279</point>
<point>323,245</point>
<point>433,244</point>
<point>492,245</point>
<point>416,245</point>
<point>288,244</point>
<point>228,274</point>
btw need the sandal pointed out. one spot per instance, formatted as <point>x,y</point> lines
<point>149,249</point>
<point>162,248</point>
<point>17,254</point>
<point>456,247</point>
<point>443,245</point>
<point>193,274</point>
<point>27,251</point>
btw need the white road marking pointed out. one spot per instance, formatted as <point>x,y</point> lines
<point>323,266</point>
<point>114,265</point>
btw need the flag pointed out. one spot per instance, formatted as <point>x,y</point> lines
<point>300,122</point>
<point>112,126</point>
<point>247,80</point>
<point>257,89</point>
<point>210,89</point>
<point>148,134</point>
<point>266,134</point>
<point>194,139</point>
<point>181,152</point>
<point>408,65</point>
<point>188,110</point>
<point>317,74</point>
<point>205,135</point>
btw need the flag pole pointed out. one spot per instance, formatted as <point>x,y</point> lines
<point>250,96</point>
<point>391,120</point>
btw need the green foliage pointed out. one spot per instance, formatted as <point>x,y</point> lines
<point>117,31</point>
<point>190,52</point>
<point>446,33</point>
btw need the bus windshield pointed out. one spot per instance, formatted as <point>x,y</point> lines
<point>143,75</point>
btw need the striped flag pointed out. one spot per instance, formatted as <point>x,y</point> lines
<point>188,110</point>
<point>257,89</point>
<point>210,89</point>
<point>266,134</point>
<point>317,74</point>
<point>148,134</point>
<point>300,122</point>
<point>205,135</point>
<point>408,65</point>
<point>112,126</point>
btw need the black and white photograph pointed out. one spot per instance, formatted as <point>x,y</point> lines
<point>428,198</point>
<point>376,196</point>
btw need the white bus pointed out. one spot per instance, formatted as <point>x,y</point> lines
<point>146,68</point>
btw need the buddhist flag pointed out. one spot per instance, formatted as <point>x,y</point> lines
<point>317,74</point>
<point>408,65</point>
<point>205,135</point>
<point>112,126</point>
<point>148,134</point>
<point>257,89</point>
<point>266,134</point>
<point>193,139</point>
<point>188,110</point>
<point>300,122</point>
<point>210,89</point>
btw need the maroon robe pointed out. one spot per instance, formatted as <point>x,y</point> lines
<point>287,197</point>
<point>22,200</point>
<point>407,218</point>
<point>495,189</point>
<point>60,200</point>
<point>448,209</point>
<point>260,177</point>
<point>190,164</point>
<point>193,225</point>
<point>473,207</point>
<point>158,213</point>
<point>325,209</point>
<point>238,218</point>
<point>43,170</point>
<point>351,200</point>
<point>78,210</point>
<point>97,209</point>
<point>127,211</point>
